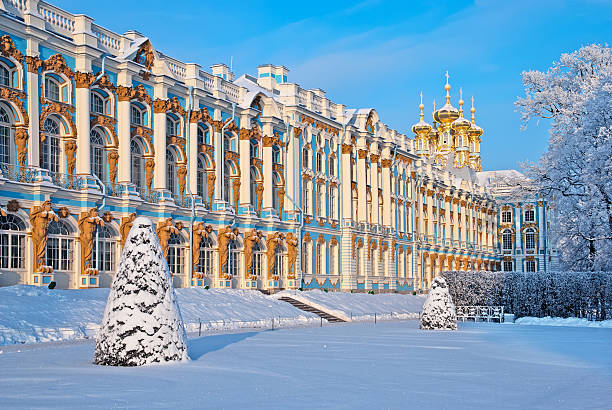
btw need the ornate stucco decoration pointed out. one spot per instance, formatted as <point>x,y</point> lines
<point>143,132</point>
<point>149,168</point>
<point>108,123</point>
<point>307,237</point>
<point>33,63</point>
<point>88,223</point>
<point>113,159</point>
<point>281,201</point>
<point>83,80</point>
<point>171,105</point>
<point>201,230</point>
<point>369,125</point>
<point>353,239</point>
<point>15,97</point>
<point>259,193</point>
<point>133,93</point>
<point>250,133</point>
<point>251,238</point>
<point>145,55</point>
<point>182,174</point>
<point>224,237</point>
<point>236,191</point>
<point>201,115</point>
<point>297,132</point>
<point>70,148</point>
<point>319,125</point>
<point>8,49</point>
<point>40,217</point>
<point>63,110</point>
<point>271,141</point>
<point>126,225</point>
<point>164,230</point>
<point>57,64</point>
<point>21,144</point>
<point>347,149</point>
<point>105,82</point>
<point>292,250</point>
<point>272,241</point>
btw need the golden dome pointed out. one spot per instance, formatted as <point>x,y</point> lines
<point>461,123</point>
<point>447,113</point>
<point>474,130</point>
<point>421,128</point>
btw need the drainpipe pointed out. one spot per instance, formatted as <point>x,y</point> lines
<point>103,70</point>
<point>187,136</point>
<point>340,216</point>
<point>222,165</point>
<point>103,188</point>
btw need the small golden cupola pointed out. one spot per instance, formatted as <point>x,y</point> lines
<point>447,113</point>
<point>461,124</point>
<point>421,129</point>
<point>474,130</point>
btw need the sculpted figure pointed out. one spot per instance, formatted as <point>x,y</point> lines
<point>200,231</point>
<point>259,192</point>
<point>210,181</point>
<point>250,239</point>
<point>236,188</point>
<point>165,229</point>
<point>273,240</point>
<point>87,226</point>
<point>149,170</point>
<point>40,217</point>
<point>224,237</point>
<point>70,148</point>
<point>292,250</point>
<point>113,158</point>
<point>21,143</point>
<point>182,173</point>
<point>281,202</point>
<point>126,225</point>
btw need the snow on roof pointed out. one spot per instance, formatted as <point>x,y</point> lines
<point>503,175</point>
<point>252,90</point>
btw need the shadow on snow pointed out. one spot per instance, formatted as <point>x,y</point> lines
<point>207,344</point>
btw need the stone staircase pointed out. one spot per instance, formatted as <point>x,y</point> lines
<point>308,308</point>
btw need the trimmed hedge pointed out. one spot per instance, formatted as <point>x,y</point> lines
<point>560,294</point>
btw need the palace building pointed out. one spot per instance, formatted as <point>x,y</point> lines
<point>253,182</point>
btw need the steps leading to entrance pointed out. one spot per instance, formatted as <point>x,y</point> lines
<point>308,308</point>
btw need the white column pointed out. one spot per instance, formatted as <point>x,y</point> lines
<point>245,173</point>
<point>290,182</point>
<point>386,181</point>
<point>193,157</point>
<point>361,186</point>
<point>33,112</point>
<point>346,188</point>
<point>268,200</point>
<point>123,130</point>
<point>159,143</point>
<point>83,167</point>
<point>375,199</point>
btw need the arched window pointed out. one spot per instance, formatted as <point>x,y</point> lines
<point>276,155</point>
<point>333,260</point>
<point>60,246</point>
<point>50,147</point>
<point>257,265</point>
<point>5,76</point>
<point>104,251</point>
<point>254,148</point>
<point>138,115</point>
<point>358,262</point>
<point>172,126</point>
<point>305,158</point>
<point>332,166</point>
<point>229,142</point>
<point>52,88</point>
<point>12,242</point>
<point>253,187</point>
<point>332,203</point>
<point>205,263</point>
<point>353,173</point>
<point>275,189</point>
<point>530,239</point>
<point>306,196</point>
<point>319,259</point>
<point>507,240</point>
<point>203,136</point>
<point>5,136</point>
<point>201,178</point>
<point>279,261</point>
<point>306,258</point>
<point>227,182</point>
<point>355,206</point>
<point>98,103</point>
<point>233,259</point>
<point>137,164</point>
<point>379,178</point>
<point>171,173</point>
<point>96,153</point>
<point>176,254</point>
<point>320,162</point>
<point>319,199</point>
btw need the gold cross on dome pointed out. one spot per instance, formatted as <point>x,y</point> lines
<point>447,76</point>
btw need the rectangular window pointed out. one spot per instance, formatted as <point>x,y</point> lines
<point>176,257</point>
<point>233,263</point>
<point>530,266</point>
<point>530,215</point>
<point>506,217</point>
<point>508,266</point>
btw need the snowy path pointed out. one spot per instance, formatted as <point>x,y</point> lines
<point>359,365</point>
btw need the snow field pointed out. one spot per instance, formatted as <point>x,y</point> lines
<point>360,306</point>
<point>30,314</point>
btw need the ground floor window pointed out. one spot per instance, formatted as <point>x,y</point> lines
<point>106,249</point>
<point>12,242</point>
<point>205,263</point>
<point>508,266</point>
<point>530,266</point>
<point>60,247</point>
<point>258,255</point>
<point>176,255</point>
<point>234,258</point>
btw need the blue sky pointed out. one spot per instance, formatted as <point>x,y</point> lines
<point>381,54</point>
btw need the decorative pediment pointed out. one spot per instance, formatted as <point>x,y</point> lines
<point>171,105</point>
<point>145,55</point>
<point>57,64</point>
<point>63,110</point>
<point>7,48</point>
<point>133,93</point>
<point>83,80</point>
<point>108,123</point>
<point>201,115</point>
<point>15,97</point>
<point>105,82</point>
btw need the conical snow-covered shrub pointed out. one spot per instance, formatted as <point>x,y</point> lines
<point>142,322</point>
<point>439,310</point>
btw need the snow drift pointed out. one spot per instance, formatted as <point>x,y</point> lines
<point>142,322</point>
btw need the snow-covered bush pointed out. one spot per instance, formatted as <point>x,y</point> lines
<point>439,310</point>
<point>560,294</point>
<point>142,322</point>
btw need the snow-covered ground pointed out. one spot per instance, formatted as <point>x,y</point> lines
<point>560,321</point>
<point>360,306</point>
<point>358,365</point>
<point>31,314</point>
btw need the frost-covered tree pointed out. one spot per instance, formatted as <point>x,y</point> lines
<point>439,310</point>
<point>575,174</point>
<point>142,322</point>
